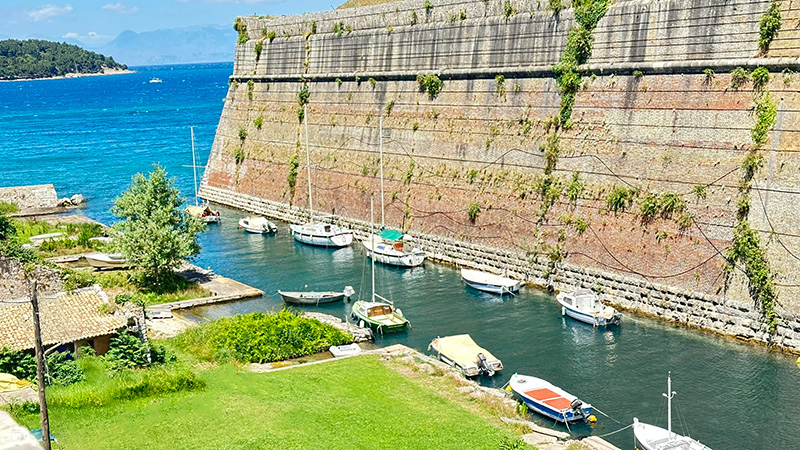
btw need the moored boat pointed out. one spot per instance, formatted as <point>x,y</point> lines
<point>315,297</point>
<point>391,247</point>
<point>379,313</point>
<point>257,225</point>
<point>155,80</point>
<point>549,400</point>
<point>583,305</point>
<point>39,239</point>
<point>651,437</point>
<point>106,260</point>
<point>204,213</point>
<point>489,282</point>
<point>322,234</point>
<point>461,352</point>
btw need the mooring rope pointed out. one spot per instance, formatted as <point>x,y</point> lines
<point>615,432</point>
<point>601,412</point>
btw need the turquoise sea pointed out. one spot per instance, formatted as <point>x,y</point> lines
<point>90,135</point>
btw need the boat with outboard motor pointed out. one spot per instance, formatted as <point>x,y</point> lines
<point>461,352</point>
<point>549,400</point>
<point>583,305</point>
<point>391,247</point>
<point>315,297</point>
<point>257,225</point>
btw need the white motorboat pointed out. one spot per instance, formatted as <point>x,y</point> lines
<point>155,80</point>
<point>318,233</point>
<point>489,282</point>
<point>390,247</point>
<point>257,225</point>
<point>651,437</point>
<point>340,351</point>
<point>583,305</point>
<point>106,260</point>
<point>461,352</point>
<point>549,400</point>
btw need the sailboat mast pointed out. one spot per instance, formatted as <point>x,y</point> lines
<point>372,239</point>
<point>669,396</point>
<point>308,167</point>
<point>194,167</point>
<point>380,140</point>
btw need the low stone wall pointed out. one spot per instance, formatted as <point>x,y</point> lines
<point>715,313</point>
<point>28,197</point>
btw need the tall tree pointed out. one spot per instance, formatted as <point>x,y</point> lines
<point>157,233</point>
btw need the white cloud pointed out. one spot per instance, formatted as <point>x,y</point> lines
<point>90,38</point>
<point>119,8</point>
<point>48,12</point>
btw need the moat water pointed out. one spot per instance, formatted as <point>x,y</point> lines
<point>90,135</point>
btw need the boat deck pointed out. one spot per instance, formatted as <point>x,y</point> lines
<point>549,398</point>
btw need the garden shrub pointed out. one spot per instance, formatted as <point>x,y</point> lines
<point>260,338</point>
<point>20,364</point>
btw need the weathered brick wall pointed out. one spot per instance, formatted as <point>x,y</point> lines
<point>667,129</point>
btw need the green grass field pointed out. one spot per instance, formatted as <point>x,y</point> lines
<point>355,403</point>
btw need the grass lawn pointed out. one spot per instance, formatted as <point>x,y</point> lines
<point>355,403</point>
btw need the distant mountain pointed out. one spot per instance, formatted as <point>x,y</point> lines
<point>198,44</point>
<point>35,58</point>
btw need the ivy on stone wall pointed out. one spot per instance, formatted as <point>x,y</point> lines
<point>746,247</point>
<point>241,27</point>
<point>291,178</point>
<point>769,26</point>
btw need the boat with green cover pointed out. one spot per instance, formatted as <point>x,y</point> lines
<point>379,313</point>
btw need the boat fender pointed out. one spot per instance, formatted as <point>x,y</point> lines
<point>592,418</point>
<point>398,311</point>
<point>563,311</point>
<point>361,324</point>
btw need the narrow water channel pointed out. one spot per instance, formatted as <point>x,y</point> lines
<point>730,395</point>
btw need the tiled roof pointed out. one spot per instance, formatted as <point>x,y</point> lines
<point>64,318</point>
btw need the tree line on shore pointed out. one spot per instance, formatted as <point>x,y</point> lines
<point>45,59</point>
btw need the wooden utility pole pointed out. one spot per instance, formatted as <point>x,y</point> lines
<point>37,332</point>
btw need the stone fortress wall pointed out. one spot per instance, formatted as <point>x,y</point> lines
<point>657,113</point>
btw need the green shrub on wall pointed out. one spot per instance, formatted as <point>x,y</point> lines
<point>431,84</point>
<point>769,26</point>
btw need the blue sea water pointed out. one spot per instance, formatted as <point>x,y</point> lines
<point>91,135</point>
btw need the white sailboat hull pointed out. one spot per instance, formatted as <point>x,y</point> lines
<point>322,235</point>
<point>385,253</point>
<point>651,437</point>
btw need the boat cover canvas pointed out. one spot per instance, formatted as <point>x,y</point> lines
<point>391,235</point>
<point>462,349</point>
<point>11,383</point>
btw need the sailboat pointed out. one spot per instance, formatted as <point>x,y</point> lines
<point>391,246</point>
<point>379,315</point>
<point>318,233</point>
<point>201,211</point>
<point>651,437</point>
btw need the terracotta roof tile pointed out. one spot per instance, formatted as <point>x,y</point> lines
<point>64,318</point>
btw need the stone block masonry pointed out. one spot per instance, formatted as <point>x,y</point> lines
<point>658,116</point>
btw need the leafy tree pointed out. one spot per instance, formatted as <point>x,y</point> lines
<point>20,364</point>
<point>44,59</point>
<point>156,232</point>
<point>127,351</point>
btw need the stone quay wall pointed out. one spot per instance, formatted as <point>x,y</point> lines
<point>464,171</point>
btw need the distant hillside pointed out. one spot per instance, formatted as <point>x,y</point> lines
<point>198,44</point>
<point>46,59</point>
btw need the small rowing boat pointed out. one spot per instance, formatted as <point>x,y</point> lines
<point>315,298</point>
<point>340,351</point>
<point>548,400</point>
<point>257,225</point>
<point>106,260</point>
<point>489,282</point>
<point>461,352</point>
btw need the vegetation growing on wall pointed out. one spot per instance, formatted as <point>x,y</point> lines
<point>258,48</point>
<point>241,27</point>
<point>746,247</point>
<point>302,100</point>
<point>250,86</point>
<point>739,77</point>
<point>291,178</point>
<point>340,28</point>
<point>431,84</point>
<point>769,26</point>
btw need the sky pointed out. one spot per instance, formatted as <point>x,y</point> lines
<point>96,22</point>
